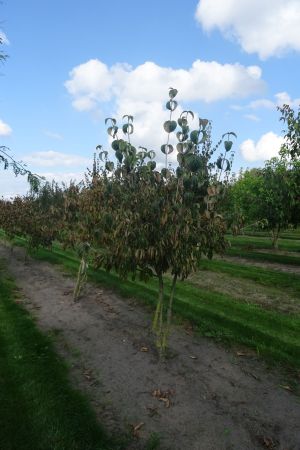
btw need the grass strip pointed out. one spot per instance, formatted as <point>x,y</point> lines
<point>291,245</point>
<point>263,257</point>
<point>287,282</point>
<point>270,333</point>
<point>38,407</point>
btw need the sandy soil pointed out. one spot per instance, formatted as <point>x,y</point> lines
<point>203,397</point>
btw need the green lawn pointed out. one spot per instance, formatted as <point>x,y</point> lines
<point>270,333</point>
<point>39,410</point>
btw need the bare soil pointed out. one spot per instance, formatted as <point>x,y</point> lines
<point>203,397</point>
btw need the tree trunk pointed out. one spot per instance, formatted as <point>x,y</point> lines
<point>275,236</point>
<point>81,278</point>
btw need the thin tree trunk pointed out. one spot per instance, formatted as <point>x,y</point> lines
<point>81,278</point>
<point>169,312</point>
<point>171,300</point>
<point>275,236</point>
<point>157,314</point>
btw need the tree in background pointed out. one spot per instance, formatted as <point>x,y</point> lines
<point>291,146</point>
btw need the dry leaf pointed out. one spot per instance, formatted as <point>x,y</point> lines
<point>193,357</point>
<point>286,387</point>
<point>144,349</point>
<point>136,428</point>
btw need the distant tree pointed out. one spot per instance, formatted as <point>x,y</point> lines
<point>291,118</point>
<point>269,196</point>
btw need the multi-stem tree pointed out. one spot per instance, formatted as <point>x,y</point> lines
<point>153,223</point>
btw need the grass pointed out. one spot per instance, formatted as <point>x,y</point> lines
<point>270,333</point>
<point>39,408</point>
<point>287,282</point>
<point>291,245</point>
<point>247,246</point>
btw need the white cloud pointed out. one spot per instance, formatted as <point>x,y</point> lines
<point>265,27</point>
<point>55,159</point>
<point>11,186</point>
<point>142,91</point>
<point>262,103</point>
<point>5,129</point>
<point>93,82</point>
<point>53,135</point>
<point>280,99</point>
<point>284,98</point>
<point>252,117</point>
<point>265,148</point>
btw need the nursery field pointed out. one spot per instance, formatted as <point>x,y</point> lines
<point>234,348</point>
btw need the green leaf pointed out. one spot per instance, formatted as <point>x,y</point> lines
<point>109,165</point>
<point>123,145</point>
<point>151,154</point>
<point>230,133</point>
<point>112,131</point>
<point>194,136</point>
<point>113,121</point>
<point>151,165</point>
<point>172,93</point>
<point>167,149</point>
<point>181,136</point>
<point>99,147</point>
<point>203,123</point>
<point>219,162</point>
<point>171,105</point>
<point>180,158</point>
<point>127,128</point>
<point>119,156</point>
<point>129,118</point>
<point>228,145</point>
<point>170,126</point>
<point>103,154</point>
<point>180,147</point>
<point>115,145</point>
<point>193,163</point>
<point>187,113</point>
<point>182,121</point>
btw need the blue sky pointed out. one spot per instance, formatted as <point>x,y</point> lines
<point>71,64</point>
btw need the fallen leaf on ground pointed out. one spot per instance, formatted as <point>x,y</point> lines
<point>193,357</point>
<point>144,349</point>
<point>136,428</point>
<point>267,442</point>
<point>163,396</point>
<point>286,387</point>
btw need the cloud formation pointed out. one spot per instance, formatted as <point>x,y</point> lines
<point>5,129</point>
<point>55,159</point>
<point>268,27</point>
<point>142,91</point>
<point>265,148</point>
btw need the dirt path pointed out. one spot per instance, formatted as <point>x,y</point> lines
<point>218,400</point>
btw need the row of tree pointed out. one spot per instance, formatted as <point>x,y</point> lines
<point>131,218</point>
